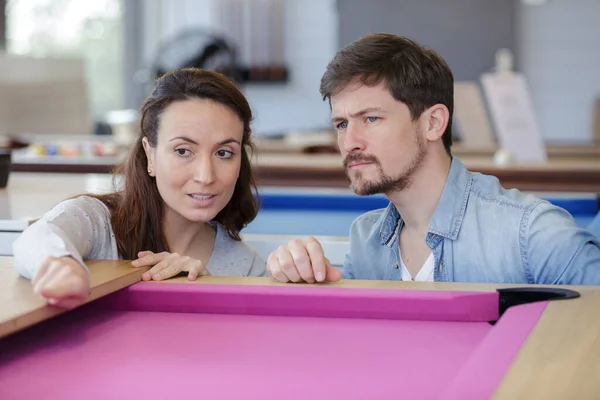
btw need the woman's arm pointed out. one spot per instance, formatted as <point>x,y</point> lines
<point>75,228</point>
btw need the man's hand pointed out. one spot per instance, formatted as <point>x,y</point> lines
<point>302,261</point>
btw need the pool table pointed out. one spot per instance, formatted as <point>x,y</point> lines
<point>330,212</point>
<point>252,338</point>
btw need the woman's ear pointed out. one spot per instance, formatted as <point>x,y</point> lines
<point>150,151</point>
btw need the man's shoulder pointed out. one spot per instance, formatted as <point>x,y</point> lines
<point>515,208</point>
<point>487,189</point>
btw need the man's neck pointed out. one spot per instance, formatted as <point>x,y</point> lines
<point>417,203</point>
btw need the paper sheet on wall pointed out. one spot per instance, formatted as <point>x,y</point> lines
<point>471,117</point>
<point>512,113</point>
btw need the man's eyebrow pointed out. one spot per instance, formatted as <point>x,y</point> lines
<point>358,113</point>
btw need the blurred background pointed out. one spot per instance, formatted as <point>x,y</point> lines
<point>74,73</point>
<point>114,47</point>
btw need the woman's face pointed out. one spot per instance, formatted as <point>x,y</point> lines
<point>197,158</point>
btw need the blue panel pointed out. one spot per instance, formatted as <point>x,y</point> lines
<point>321,202</point>
<point>332,214</point>
<point>581,206</point>
<point>349,202</point>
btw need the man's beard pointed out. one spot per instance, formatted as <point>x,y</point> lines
<point>385,183</point>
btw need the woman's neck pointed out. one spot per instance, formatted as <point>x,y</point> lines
<point>186,237</point>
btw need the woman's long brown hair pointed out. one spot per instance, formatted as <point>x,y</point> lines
<point>137,207</point>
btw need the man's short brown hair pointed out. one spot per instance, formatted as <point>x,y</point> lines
<point>414,75</point>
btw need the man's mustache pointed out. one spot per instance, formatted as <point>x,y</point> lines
<point>353,157</point>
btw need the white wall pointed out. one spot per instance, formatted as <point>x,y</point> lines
<point>311,41</point>
<point>559,53</point>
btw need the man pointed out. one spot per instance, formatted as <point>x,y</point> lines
<point>391,102</point>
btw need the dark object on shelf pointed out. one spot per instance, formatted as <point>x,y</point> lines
<point>201,49</point>
<point>102,128</point>
<point>5,166</point>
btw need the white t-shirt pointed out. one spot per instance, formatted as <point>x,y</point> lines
<point>425,274</point>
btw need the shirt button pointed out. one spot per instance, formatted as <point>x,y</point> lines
<point>396,266</point>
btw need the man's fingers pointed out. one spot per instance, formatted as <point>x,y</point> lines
<point>333,274</point>
<point>288,265</point>
<point>317,259</point>
<point>275,269</point>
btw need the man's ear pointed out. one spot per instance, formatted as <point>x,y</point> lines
<point>437,118</point>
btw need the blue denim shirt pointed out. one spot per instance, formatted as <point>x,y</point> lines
<point>480,232</point>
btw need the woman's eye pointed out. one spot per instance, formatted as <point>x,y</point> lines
<point>224,153</point>
<point>183,152</point>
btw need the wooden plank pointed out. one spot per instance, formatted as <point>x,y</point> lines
<point>370,284</point>
<point>561,357</point>
<point>20,307</point>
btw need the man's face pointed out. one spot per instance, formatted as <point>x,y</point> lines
<point>381,144</point>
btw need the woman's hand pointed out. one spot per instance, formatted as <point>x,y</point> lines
<point>62,281</point>
<point>166,265</point>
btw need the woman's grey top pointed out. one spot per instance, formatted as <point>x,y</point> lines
<point>81,228</point>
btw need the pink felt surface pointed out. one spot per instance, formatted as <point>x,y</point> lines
<point>229,342</point>
<point>146,355</point>
<point>495,354</point>
<point>316,301</point>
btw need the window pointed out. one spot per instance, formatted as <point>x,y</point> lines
<point>92,30</point>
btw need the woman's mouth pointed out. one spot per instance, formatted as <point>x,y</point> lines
<point>198,196</point>
<point>202,199</point>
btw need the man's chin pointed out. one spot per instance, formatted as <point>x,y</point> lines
<point>364,188</point>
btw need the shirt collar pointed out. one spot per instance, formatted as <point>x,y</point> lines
<point>449,213</point>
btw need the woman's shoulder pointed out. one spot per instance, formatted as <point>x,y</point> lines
<point>85,206</point>
<point>234,257</point>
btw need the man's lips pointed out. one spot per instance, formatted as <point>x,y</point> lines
<point>358,163</point>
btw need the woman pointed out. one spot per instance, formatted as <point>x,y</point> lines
<point>187,192</point>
